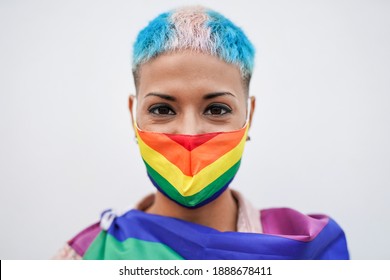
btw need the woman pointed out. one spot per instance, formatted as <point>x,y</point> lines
<point>191,115</point>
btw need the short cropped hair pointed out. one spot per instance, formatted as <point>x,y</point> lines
<point>198,29</point>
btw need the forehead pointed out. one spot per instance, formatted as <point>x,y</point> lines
<point>189,71</point>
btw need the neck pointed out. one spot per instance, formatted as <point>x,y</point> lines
<point>220,214</point>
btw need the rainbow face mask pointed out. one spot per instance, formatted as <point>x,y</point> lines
<point>192,170</point>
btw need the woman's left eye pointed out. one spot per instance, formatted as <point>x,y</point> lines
<point>217,109</point>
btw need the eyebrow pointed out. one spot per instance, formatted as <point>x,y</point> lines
<point>206,97</point>
<point>161,95</point>
<point>217,94</point>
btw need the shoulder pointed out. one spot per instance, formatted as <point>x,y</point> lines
<point>317,229</point>
<point>75,248</point>
<point>287,221</point>
<point>81,242</point>
<point>314,228</point>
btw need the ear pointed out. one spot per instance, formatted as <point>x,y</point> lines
<point>132,109</point>
<point>253,106</point>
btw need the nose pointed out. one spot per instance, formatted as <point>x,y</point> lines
<point>189,123</point>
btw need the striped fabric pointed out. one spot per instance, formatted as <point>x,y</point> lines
<point>288,234</point>
<point>192,169</point>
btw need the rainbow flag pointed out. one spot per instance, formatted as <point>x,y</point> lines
<point>287,234</point>
<point>192,169</point>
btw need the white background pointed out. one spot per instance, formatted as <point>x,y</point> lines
<point>320,137</point>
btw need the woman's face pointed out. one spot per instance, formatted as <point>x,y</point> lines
<point>190,93</point>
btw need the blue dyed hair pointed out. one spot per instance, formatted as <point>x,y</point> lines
<point>198,29</point>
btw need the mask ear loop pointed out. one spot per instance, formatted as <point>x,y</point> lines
<point>248,110</point>
<point>134,115</point>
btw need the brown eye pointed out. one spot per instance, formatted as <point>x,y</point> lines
<point>161,110</point>
<point>217,110</point>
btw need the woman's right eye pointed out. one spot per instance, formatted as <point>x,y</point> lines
<point>161,110</point>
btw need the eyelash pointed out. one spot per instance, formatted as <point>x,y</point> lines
<point>153,109</point>
<point>224,108</point>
